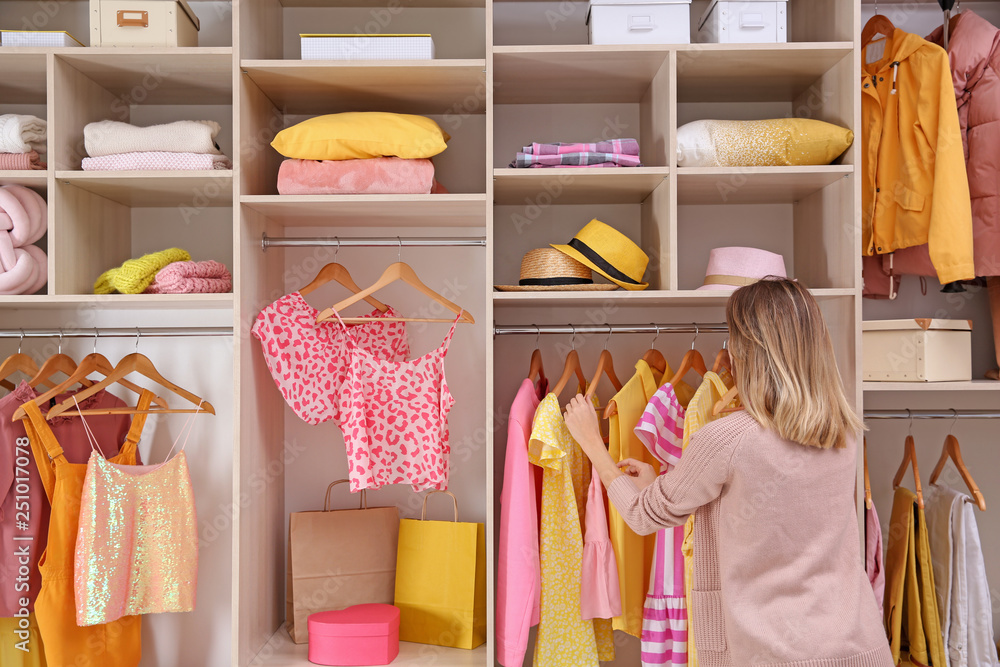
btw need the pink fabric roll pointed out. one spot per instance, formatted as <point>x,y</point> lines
<point>208,277</point>
<point>157,161</point>
<point>373,176</point>
<point>21,161</point>
<point>23,221</point>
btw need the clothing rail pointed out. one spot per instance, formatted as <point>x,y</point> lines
<point>570,329</point>
<point>134,332</point>
<point>932,414</point>
<point>371,241</point>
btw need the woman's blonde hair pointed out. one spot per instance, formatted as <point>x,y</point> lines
<point>785,368</point>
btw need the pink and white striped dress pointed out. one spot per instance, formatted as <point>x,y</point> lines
<point>665,613</point>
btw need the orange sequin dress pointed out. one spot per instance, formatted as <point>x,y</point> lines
<point>117,644</point>
<point>137,548</point>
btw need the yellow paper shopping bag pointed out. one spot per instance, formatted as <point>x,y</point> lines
<point>441,581</point>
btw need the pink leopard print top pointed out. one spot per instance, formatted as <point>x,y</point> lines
<point>309,361</point>
<point>395,418</point>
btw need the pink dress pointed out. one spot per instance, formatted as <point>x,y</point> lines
<point>308,361</point>
<point>665,613</point>
<point>395,417</point>
<point>600,592</point>
<point>518,571</point>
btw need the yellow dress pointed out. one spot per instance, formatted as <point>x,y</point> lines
<point>21,650</point>
<point>564,639</point>
<point>699,412</point>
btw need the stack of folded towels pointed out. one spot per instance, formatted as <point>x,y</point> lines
<point>22,138</point>
<point>360,153</point>
<point>187,145</point>
<point>169,271</point>
<point>612,153</point>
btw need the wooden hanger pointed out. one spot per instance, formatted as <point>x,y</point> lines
<point>868,483</point>
<point>57,363</point>
<point>721,405</point>
<point>723,360</point>
<point>910,456</point>
<point>18,363</point>
<point>953,450</point>
<point>571,367</point>
<point>92,363</point>
<point>692,359</point>
<point>605,366</point>
<point>654,357</point>
<point>405,273</point>
<point>536,371</point>
<point>334,272</point>
<point>877,25</point>
<point>133,363</point>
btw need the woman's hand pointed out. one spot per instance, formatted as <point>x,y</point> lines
<point>642,473</point>
<point>581,420</point>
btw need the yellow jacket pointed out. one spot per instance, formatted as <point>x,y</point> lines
<point>914,188</point>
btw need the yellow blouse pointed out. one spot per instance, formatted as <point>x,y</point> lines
<point>564,639</point>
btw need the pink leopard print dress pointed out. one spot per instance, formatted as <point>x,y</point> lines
<point>395,418</point>
<point>309,361</point>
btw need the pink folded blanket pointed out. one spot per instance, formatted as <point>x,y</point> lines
<point>372,176</point>
<point>21,161</point>
<point>157,161</point>
<point>208,277</point>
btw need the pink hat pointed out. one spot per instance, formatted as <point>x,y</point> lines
<point>729,268</point>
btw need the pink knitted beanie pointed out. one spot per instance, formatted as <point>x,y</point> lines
<point>208,277</point>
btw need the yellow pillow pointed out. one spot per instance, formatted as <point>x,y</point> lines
<point>760,143</point>
<point>362,134</point>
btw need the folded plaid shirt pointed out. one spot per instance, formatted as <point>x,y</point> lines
<point>617,152</point>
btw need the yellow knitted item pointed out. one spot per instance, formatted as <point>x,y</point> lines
<point>135,275</point>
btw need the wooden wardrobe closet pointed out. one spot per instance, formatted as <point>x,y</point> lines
<point>507,72</point>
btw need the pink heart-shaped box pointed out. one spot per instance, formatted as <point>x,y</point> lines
<point>365,634</point>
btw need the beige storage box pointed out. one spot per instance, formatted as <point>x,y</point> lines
<point>43,38</point>
<point>920,350</point>
<point>143,23</point>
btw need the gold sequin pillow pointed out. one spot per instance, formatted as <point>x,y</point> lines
<point>760,143</point>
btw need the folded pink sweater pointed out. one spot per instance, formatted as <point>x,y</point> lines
<point>157,161</point>
<point>21,161</point>
<point>373,176</point>
<point>192,278</point>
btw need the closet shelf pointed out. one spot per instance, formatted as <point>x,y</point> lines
<point>566,185</point>
<point>196,189</point>
<point>620,297</point>
<point>280,651</point>
<point>974,385</point>
<point>401,86</point>
<point>24,78</point>
<point>755,185</point>
<point>191,75</point>
<point>32,179</point>
<point>754,72</point>
<point>574,74</point>
<point>119,301</point>
<point>451,210</point>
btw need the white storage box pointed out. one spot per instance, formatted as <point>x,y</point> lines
<point>367,47</point>
<point>47,38</point>
<point>744,22</point>
<point>637,22</point>
<point>143,23</point>
<point>920,350</point>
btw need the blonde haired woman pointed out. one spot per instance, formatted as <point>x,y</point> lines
<point>772,490</point>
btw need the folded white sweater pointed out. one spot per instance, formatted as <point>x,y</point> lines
<point>110,137</point>
<point>22,134</point>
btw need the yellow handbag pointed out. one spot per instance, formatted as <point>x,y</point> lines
<point>441,581</point>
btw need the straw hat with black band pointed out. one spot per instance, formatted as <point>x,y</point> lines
<point>609,252</point>
<point>548,270</point>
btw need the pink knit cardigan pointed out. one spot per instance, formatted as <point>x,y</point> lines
<point>778,577</point>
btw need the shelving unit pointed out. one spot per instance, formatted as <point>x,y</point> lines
<point>504,77</point>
